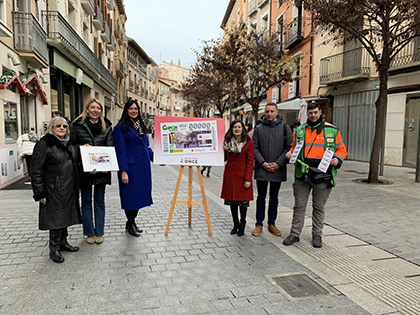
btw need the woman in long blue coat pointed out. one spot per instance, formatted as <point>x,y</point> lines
<point>134,157</point>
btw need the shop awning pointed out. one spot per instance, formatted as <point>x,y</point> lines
<point>37,88</point>
<point>14,80</point>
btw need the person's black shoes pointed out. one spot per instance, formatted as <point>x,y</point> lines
<point>69,248</point>
<point>316,241</point>
<point>133,231</point>
<point>291,240</point>
<point>234,230</point>
<point>241,230</point>
<point>55,255</point>
<point>137,228</point>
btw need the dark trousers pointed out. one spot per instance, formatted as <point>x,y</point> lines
<point>28,159</point>
<point>131,216</point>
<point>272,203</point>
<point>58,237</point>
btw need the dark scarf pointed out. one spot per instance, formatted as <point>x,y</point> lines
<point>137,126</point>
<point>314,125</point>
<point>95,128</point>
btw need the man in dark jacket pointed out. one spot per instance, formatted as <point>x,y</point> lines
<point>272,140</point>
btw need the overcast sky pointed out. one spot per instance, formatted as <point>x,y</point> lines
<point>169,29</point>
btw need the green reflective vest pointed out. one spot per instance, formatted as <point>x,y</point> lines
<point>330,131</point>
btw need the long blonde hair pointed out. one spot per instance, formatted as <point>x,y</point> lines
<point>84,114</point>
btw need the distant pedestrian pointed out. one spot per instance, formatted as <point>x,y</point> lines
<point>91,128</point>
<point>317,136</point>
<point>204,168</point>
<point>272,140</point>
<point>250,130</point>
<point>237,178</point>
<point>134,157</point>
<point>58,113</point>
<point>55,169</point>
<point>25,146</point>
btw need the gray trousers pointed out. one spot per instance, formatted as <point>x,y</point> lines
<point>320,193</point>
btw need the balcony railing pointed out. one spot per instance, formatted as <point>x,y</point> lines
<point>105,35</point>
<point>111,43</point>
<point>252,7</point>
<point>408,56</point>
<point>63,36</point>
<point>98,19</point>
<point>350,65</point>
<point>293,33</point>
<point>120,34</point>
<point>29,35</point>
<point>89,6</point>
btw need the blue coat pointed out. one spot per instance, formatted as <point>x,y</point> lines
<point>134,156</point>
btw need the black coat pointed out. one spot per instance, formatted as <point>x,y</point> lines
<point>54,176</point>
<point>81,135</point>
<point>272,141</point>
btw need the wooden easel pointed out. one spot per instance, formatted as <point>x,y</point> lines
<point>189,202</point>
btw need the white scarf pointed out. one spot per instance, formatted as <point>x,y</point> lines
<point>234,146</point>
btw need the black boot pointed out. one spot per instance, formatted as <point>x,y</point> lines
<point>243,221</point>
<point>133,231</point>
<point>55,255</point>
<point>234,211</point>
<point>241,230</point>
<point>127,224</point>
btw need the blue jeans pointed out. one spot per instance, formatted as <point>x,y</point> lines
<point>99,209</point>
<point>272,203</point>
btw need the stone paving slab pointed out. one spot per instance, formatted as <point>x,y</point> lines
<point>186,272</point>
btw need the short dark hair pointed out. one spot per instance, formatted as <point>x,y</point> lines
<point>271,104</point>
<point>313,105</point>
<point>58,113</point>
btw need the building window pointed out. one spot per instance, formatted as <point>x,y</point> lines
<point>10,121</point>
<point>280,31</point>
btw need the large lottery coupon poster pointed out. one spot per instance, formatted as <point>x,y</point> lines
<point>187,140</point>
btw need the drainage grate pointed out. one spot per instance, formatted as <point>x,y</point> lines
<point>299,285</point>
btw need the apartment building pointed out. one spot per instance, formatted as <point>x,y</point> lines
<point>142,81</point>
<point>163,93</point>
<point>174,75</point>
<point>56,57</point>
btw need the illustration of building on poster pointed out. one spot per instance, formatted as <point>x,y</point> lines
<point>180,138</point>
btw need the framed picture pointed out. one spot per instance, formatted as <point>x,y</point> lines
<point>99,159</point>
<point>188,141</point>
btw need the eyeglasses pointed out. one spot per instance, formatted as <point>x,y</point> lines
<point>64,126</point>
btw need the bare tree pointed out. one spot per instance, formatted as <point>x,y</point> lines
<point>384,28</point>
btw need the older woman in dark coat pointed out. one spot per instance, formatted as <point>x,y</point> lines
<point>92,128</point>
<point>134,157</point>
<point>237,177</point>
<point>55,169</point>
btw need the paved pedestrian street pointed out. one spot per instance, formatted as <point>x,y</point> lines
<point>189,271</point>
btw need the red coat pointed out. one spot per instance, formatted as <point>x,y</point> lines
<point>239,167</point>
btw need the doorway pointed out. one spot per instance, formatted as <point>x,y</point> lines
<point>411,130</point>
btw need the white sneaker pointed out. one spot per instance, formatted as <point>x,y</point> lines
<point>27,182</point>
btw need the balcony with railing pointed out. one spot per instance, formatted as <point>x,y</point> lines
<point>120,69</point>
<point>293,33</point>
<point>352,65</point>
<point>120,36</point>
<point>109,4</point>
<point>408,57</point>
<point>98,19</point>
<point>88,6</point>
<point>252,9</point>
<point>111,44</point>
<point>30,39</point>
<point>131,84</point>
<point>62,36</point>
<point>106,35</point>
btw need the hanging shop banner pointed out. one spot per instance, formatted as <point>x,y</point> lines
<point>188,141</point>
